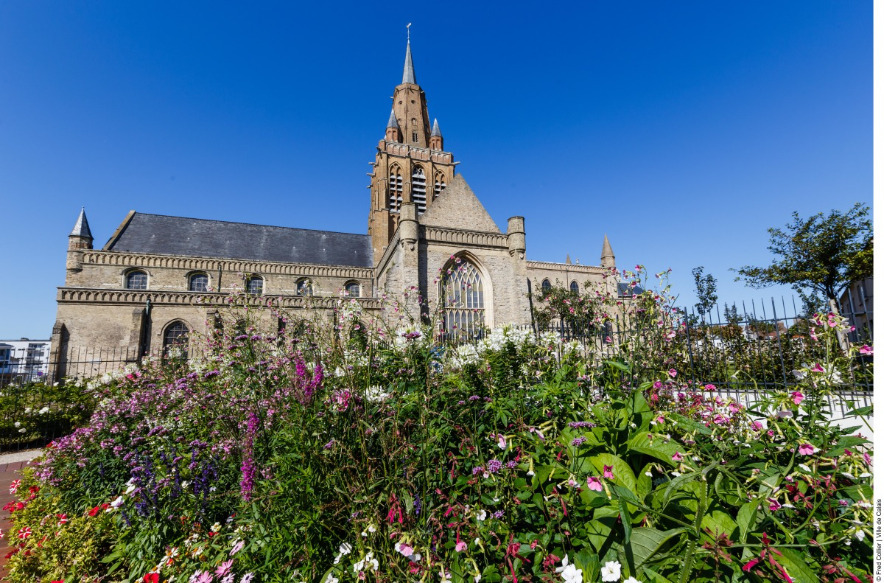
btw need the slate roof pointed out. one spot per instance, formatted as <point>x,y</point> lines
<point>164,235</point>
<point>624,290</point>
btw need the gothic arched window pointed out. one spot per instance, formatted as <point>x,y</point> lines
<point>575,289</point>
<point>255,285</point>
<point>463,297</point>
<point>395,189</point>
<point>304,287</point>
<point>136,279</point>
<point>175,340</point>
<point>419,189</point>
<point>439,185</point>
<point>198,282</point>
<point>546,286</point>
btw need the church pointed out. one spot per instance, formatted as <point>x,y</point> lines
<point>160,278</point>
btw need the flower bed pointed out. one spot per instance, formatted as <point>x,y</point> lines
<point>348,452</point>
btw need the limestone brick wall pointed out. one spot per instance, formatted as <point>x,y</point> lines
<point>107,270</point>
<point>563,274</point>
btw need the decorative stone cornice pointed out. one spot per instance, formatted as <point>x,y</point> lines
<point>571,268</point>
<point>208,264</point>
<point>69,295</point>
<point>416,153</point>
<point>467,238</point>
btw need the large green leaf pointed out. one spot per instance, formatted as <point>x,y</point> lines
<point>655,446</point>
<point>646,541</point>
<point>718,522</point>
<point>796,567</point>
<point>746,518</point>
<point>623,474</point>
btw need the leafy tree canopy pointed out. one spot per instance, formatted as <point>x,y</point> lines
<point>818,255</point>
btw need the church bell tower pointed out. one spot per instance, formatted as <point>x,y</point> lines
<point>410,165</point>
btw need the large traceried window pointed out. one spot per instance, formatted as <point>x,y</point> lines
<point>395,189</point>
<point>419,189</point>
<point>463,297</point>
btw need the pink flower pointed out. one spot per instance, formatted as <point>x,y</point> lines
<point>609,472</point>
<point>818,368</point>
<point>404,549</point>
<point>460,546</point>
<point>594,483</point>
<point>757,425</point>
<point>806,449</point>
<point>677,457</point>
<point>658,385</point>
<point>223,568</point>
<point>774,505</point>
<point>865,350</point>
<point>501,441</point>
<point>672,372</point>
<point>813,333</point>
<point>237,548</point>
<point>710,387</point>
<point>797,397</point>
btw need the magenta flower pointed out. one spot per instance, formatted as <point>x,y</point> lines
<point>806,449</point>
<point>797,397</point>
<point>710,387</point>
<point>818,368</point>
<point>866,350</point>
<point>774,505</point>
<point>594,483</point>
<point>224,568</point>
<point>672,372</point>
<point>677,457</point>
<point>608,472</point>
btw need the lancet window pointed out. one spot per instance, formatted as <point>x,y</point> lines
<point>438,186</point>
<point>419,189</point>
<point>395,189</point>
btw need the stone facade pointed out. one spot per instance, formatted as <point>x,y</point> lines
<point>427,231</point>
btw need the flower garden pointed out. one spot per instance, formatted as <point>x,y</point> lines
<point>356,451</point>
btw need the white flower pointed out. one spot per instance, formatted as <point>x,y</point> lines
<point>331,579</point>
<point>570,573</point>
<point>481,516</point>
<point>345,549</point>
<point>22,430</point>
<point>804,468</point>
<point>18,423</point>
<point>611,571</point>
<point>116,503</point>
<point>530,473</point>
<point>43,411</point>
<point>477,578</point>
<point>860,535</point>
<point>632,580</point>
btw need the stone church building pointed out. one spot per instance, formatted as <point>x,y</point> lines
<point>160,278</point>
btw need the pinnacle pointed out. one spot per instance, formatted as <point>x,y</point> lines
<point>81,229</point>
<point>408,71</point>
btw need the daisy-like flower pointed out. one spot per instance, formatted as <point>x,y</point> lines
<point>224,568</point>
<point>611,571</point>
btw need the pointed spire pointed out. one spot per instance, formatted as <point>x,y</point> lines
<point>567,259</point>
<point>408,71</point>
<point>393,122</point>
<point>81,229</point>
<point>436,131</point>
<point>607,253</point>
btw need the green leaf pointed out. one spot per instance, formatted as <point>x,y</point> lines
<point>719,522</point>
<point>626,520</point>
<point>796,567</point>
<point>746,518</point>
<point>646,541</point>
<point>623,474</point>
<point>691,425</point>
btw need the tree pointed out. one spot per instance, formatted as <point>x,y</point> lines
<point>706,285</point>
<point>819,255</point>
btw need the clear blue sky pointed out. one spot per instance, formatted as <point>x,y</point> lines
<point>683,130</point>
